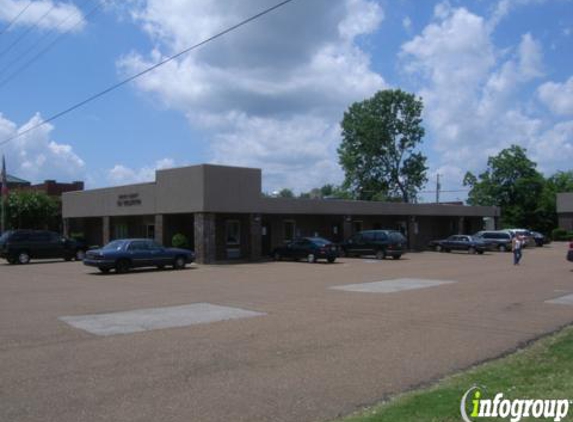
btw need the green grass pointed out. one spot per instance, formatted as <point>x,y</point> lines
<point>544,370</point>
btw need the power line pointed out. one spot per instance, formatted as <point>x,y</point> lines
<point>27,31</point>
<point>13,21</point>
<point>145,71</point>
<point>39,41</point>
<point>92,12</point>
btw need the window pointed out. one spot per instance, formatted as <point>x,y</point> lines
<point>233,232</point>
<point>120,231</point>
<point>138,245</point>
<point>381,236</point>
<point>150,231</point>
<point>289,230</point>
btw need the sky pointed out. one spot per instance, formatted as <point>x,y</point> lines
<point>272,94</point>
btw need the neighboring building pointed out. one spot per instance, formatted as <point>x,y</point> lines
<point>16,183</point>
<point>565,210</point>
<point>53,188</point>
<point>223,213</point>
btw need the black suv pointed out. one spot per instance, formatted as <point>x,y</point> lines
<point>381,243</point>
<point>20,246</point>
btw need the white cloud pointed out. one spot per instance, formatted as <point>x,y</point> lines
<point>558,97</point>
<point>472,93</point>
<point>46,13</point>
<point>407,23</point>
<point>35,156</point>
<point>122,175</point>
<point>255,89</point>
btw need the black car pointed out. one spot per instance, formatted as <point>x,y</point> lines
<point>460,242</point>
<point>381,243</point>
<point>570,252</point>
<point>124,254</point>
<point>310,249</point>
<point>499,239</point>
<point>540,238</point>
<point>20,246</point>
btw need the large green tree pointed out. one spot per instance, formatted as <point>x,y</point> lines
<point>378,152</point>
<point>31,210</point>
<point>511,181</point>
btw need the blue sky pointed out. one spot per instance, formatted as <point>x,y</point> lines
<point>272,94</point>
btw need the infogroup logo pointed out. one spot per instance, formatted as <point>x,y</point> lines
<point>512,409</point>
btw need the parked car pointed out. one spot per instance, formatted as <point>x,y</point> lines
<point>21,246</point>
<point>461,242</point>
<point>525,235</point>
<point>381,243</point>
<point>310,249</point>
<point>499,239</point>
<point>570,252</point>
<point>125,254</point>
<point>540,239</point>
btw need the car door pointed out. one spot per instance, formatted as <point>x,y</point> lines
<point>299,249</point>
<point>138,253</point>
<point>55,246</point>
<point>157,254</point>
<point>451,243</point>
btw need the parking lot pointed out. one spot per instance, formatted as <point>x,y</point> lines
<point>303,352</point>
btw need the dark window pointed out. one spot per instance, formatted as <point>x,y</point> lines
<point>138,246</point>
<point>289,230</point>
<point>39,237</point>
<point>381,236</point>
<point>368,236</point>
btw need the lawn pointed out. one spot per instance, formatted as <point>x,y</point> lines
<point>543,370</point>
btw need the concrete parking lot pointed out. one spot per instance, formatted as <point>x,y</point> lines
<point>305,351</point>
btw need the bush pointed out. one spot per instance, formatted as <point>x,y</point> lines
<point>561,234</point>
<point>180,241</point>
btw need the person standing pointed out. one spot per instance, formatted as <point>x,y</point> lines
<point>517,247</point>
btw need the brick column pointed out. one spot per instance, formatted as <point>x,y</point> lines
<point>346,227</point>
<point>66,227</point>
<point>159,228</point>
<point>205,251</point>
<point>461,224</point>
<point>412,232</point>
<point>105,230</point>
<point>255,237</point>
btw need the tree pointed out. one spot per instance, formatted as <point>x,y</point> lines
<point>31,210</point>
<point>285,193</point>
<point>512,182</point>
<point>378,150</point>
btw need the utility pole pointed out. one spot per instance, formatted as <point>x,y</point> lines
<point>438,187</point>
<point>3,195</point>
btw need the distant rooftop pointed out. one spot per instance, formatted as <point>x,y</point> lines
<point>14,179</point>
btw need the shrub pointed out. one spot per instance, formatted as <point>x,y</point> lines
<point>179,240</point>
<point>560,234</point>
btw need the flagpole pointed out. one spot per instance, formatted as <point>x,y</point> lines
<point>4,182</point>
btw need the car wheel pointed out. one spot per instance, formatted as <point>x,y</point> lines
<point>397,256</point>
<point>381,254</point>
<point>331,259</point>
<point>179,263</point>
<point>471,250</point>
<point>122,266</point>
<point>277,256</point>
<point>161,267</point>
<point>67,258</point>
<point>502,248</point>
<point>480,252</point>
<point>311,258</point>
<point>439,248</point>
<point>104,270</point>
<point>80,255</point>
<point>23,257</point>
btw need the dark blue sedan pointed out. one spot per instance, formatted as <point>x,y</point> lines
<point>124,254</point>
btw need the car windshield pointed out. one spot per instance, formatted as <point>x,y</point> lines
<point>114,245</point>
<point>319,241</point>
<point>5,236</point>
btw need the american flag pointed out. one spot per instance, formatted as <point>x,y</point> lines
<point>4,178</point>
